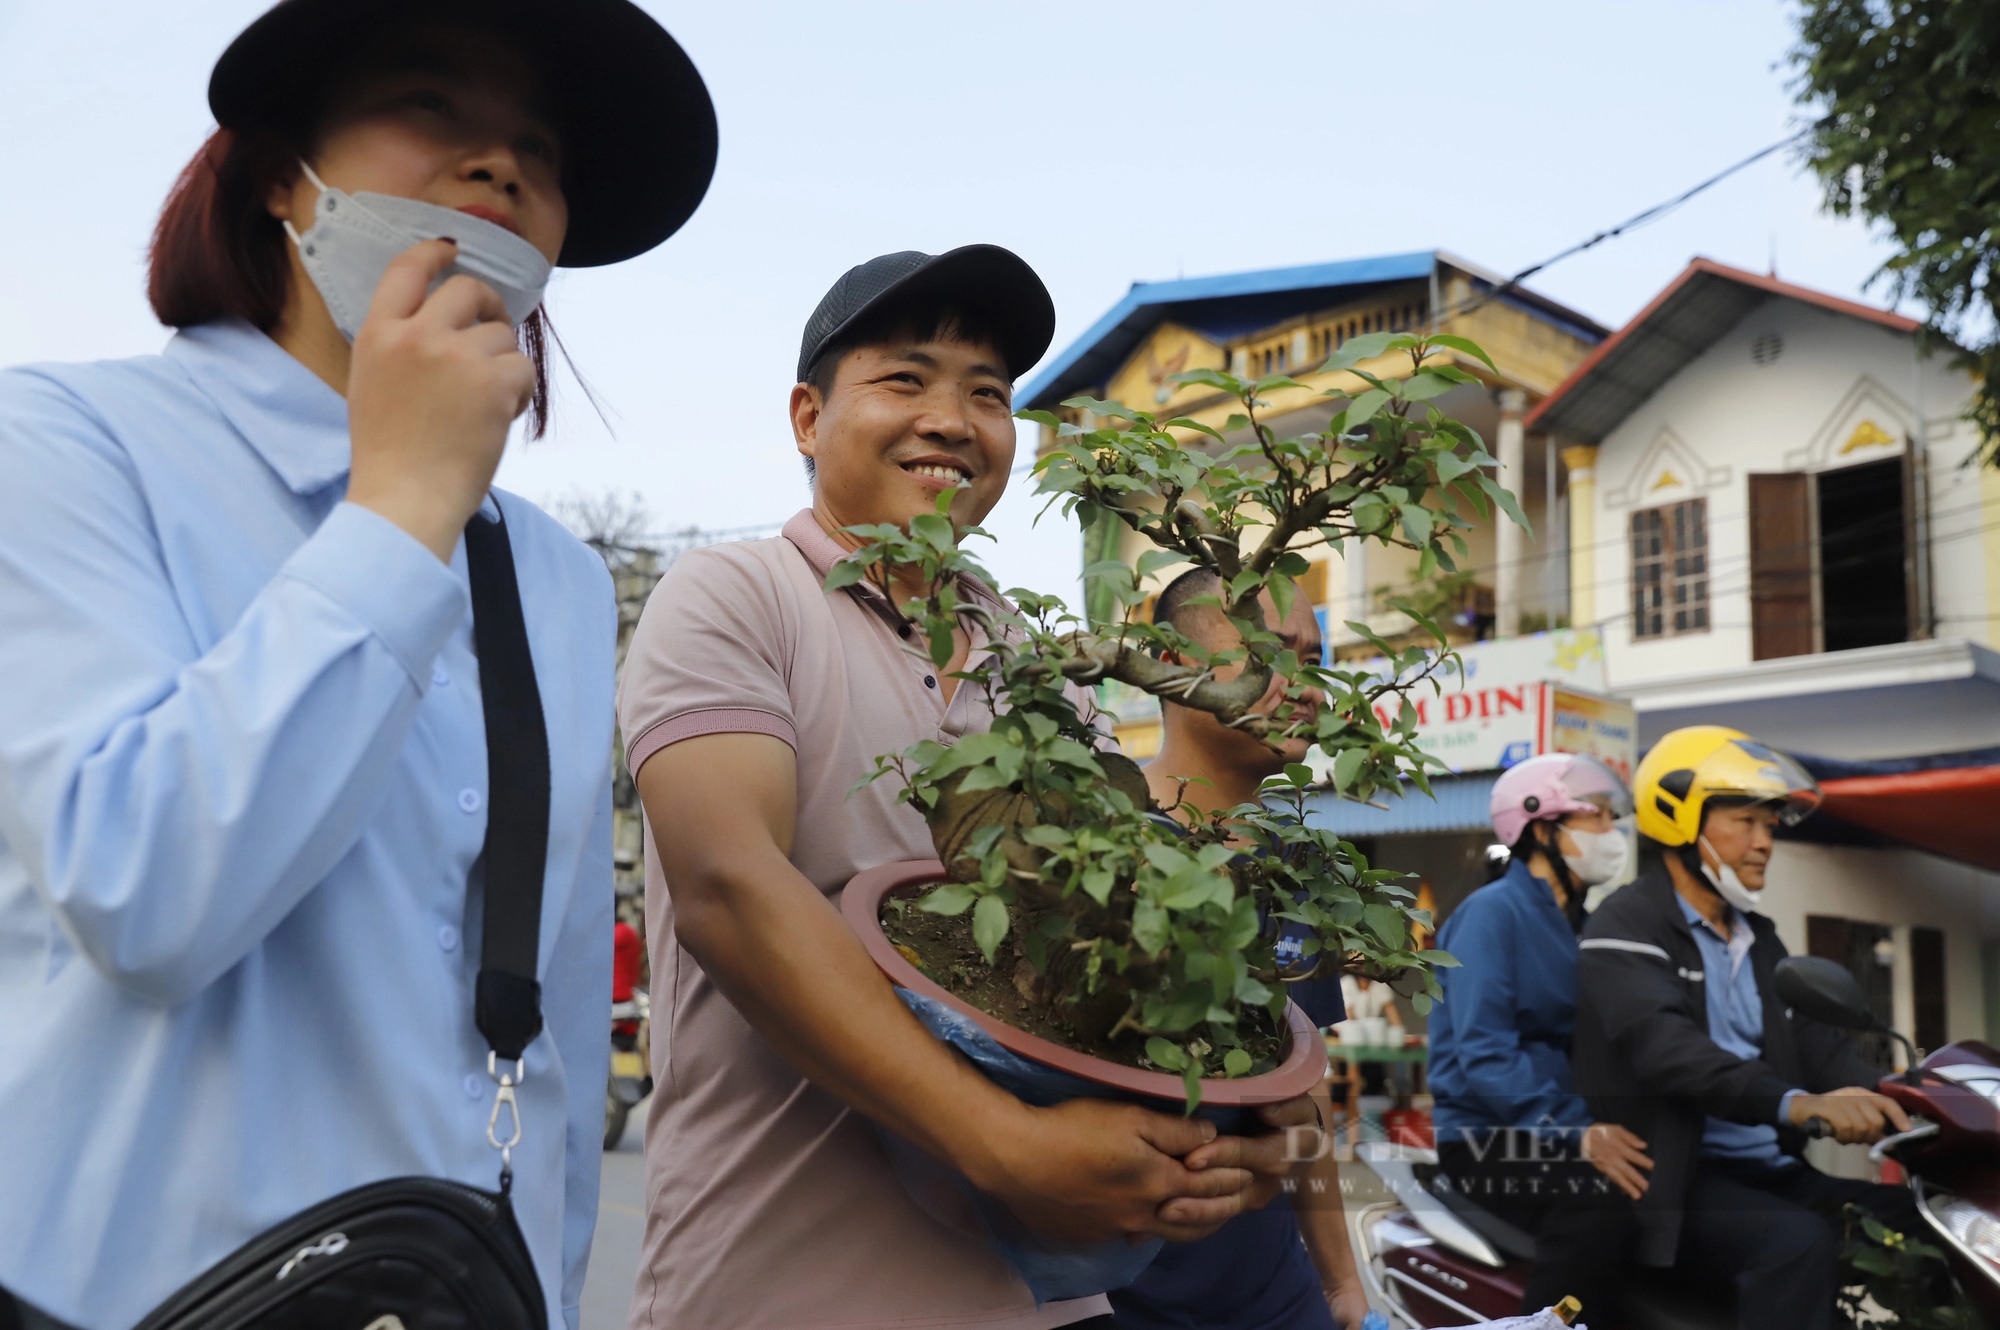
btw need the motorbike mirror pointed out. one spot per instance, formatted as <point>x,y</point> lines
<point>1825,991</point>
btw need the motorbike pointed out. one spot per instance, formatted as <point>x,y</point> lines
<point>1433,1257</point>
<point>631,1063</point>
<point>1950,1156</point>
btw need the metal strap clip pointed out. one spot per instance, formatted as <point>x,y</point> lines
<point>507,1081</point>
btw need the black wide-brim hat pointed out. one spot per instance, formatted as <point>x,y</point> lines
<point>996,283</point>
<point>638,126</point>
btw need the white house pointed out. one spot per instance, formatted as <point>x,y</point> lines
<point>1775,523</point>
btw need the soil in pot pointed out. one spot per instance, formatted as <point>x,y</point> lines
<point>942,947</point>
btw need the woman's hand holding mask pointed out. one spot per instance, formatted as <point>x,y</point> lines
<point>434,385</point>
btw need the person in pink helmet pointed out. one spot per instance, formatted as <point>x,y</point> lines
<point>1514,1137</point>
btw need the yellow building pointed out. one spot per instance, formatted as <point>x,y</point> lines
<point>1289,320</point>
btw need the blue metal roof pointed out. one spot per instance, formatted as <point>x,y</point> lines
<point>1462,804</point>
<point>1221,307</point>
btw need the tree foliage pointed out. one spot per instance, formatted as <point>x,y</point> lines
<point>1908,94</point>
<point>1140,929</point>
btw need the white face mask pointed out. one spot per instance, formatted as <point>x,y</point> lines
<point>354,238</point>
<point>1725,881</point>
<point>1600,855</point>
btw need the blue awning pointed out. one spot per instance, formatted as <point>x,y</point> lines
<point>1462,804</point>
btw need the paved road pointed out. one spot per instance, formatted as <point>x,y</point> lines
<point>621,1227</point>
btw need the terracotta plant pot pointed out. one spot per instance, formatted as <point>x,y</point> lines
<point>1303,1068</point>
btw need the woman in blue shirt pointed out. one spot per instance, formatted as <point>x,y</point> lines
<point>243,768</point>
<point>1513,1134</point>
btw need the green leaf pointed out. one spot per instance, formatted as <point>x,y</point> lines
<point>1465,344</point>
<point>1039,417</point>
<point>1153,560</point>
<point>951,898</point>
<point>1450,466</point>
<point>1364,408</point>
<point>989,924</point>
<point>843,574</point>
<point>1236,1062</point>
<point>1442,959</point>
<point>1423,385</point>
<point>1283,592</point>
<point>1191,1078</point>
<point>1417,523</point>
<point>1346,766</point>
<point>1299,774</point>
<point>1102,408</point>
<point>1384,921</point>
<point>1505,498</point>
<point>1357,349</point>
<point>1163,1054</point>
<point>934,531</point>
<point>1182,422</point>
<point>984,778</point>
<point>1213,378</point>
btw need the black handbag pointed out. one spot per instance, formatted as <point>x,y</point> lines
<point>425,1253</point>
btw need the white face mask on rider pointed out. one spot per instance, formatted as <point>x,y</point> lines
<point>1725,881</point>
<point>1600,855</point>
<point>354,238</point>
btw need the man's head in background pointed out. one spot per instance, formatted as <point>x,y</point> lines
<point>906,382</point>
<point>1195,743</point>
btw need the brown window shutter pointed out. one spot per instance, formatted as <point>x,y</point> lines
<point>1781,566</point>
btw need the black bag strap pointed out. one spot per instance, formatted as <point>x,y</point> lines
<point>507,1004</point>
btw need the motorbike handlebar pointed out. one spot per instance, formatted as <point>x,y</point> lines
<point>1817,1127</point>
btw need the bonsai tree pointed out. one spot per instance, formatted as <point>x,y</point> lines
<point>1151,942</point>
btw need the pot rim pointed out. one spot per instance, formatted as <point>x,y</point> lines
<point>1303,1068</point>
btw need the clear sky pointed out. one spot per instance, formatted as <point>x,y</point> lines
<point>1105,142</point>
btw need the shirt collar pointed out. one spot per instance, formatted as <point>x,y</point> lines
<point>293,420</point>
<point>1740,933</point>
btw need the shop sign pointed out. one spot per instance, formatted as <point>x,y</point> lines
<point>1521,697</point>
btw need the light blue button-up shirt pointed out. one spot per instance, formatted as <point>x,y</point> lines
<point>1736,1024</point>
<point>242,783</point>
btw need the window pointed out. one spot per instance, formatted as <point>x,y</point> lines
<point>1670,570</point>
<point>1828,565</point>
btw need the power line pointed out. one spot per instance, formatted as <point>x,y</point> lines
<point>1632,223</point>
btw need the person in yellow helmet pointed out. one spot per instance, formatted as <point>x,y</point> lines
<point>1682,1039</point>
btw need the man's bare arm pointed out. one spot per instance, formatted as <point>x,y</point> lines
<point>1322,1216</point>
<point>723,809</point>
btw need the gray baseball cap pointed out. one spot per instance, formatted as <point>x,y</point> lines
<point>986,279</point>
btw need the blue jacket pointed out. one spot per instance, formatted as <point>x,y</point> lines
<point>1500,1039</point>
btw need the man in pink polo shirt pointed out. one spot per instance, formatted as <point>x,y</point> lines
<point>752,702</point>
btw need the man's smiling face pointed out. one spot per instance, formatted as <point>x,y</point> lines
<point>903,422</point>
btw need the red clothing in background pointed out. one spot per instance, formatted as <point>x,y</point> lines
<point>627,954</point>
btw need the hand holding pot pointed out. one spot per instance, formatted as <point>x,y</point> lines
<point>434,384</point>
<point>1288,1149</point>
<point>1091,1170</point>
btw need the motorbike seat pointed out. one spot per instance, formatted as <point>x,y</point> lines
<point>1504,1236</point>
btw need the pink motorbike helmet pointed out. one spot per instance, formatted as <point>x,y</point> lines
<point>1546,787</point>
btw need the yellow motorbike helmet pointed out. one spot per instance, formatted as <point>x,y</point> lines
<point>1688,767</point>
